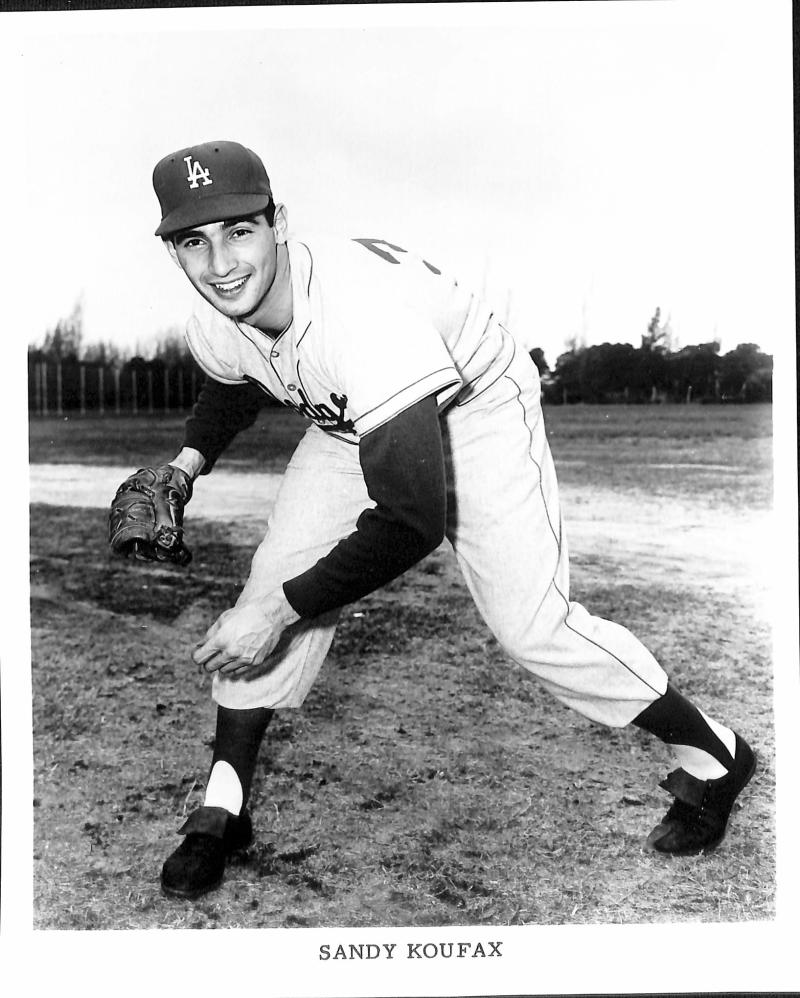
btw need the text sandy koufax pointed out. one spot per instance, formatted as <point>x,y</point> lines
<point>411,951</point>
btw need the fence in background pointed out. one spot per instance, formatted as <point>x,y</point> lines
<point>143,387</point>
<point>138,387</point>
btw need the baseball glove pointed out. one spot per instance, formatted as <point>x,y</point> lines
<point>146,517</point>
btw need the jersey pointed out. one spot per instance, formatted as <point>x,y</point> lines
<point>375,329</point>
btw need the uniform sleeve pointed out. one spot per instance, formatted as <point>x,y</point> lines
<point>403,466</point>
<point>385,347</point>
<point>395,364</point>
<point>220,413</point>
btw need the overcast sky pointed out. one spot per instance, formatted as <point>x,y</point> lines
<point>581,163</point>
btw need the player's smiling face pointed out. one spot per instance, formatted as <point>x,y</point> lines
<point>234,264</point>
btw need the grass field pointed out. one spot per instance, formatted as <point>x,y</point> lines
<point>425,781</point>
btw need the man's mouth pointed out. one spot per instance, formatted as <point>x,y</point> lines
<point>230,287</point>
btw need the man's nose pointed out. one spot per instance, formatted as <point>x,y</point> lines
<point>222,261</point>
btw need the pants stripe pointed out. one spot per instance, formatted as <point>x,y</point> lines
<point>557,539</point>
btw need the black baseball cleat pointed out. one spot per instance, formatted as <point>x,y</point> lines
<point>198,864</point>
<point>698,818</point>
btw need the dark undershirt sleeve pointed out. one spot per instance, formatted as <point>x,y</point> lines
<point>403,466</point>
<point>220,413</point>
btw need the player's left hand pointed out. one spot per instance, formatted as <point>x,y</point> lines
<point>243,637</point>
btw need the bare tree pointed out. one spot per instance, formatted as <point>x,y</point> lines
<point>65,340</point>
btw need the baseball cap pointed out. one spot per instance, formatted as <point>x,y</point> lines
<point>209,183</point>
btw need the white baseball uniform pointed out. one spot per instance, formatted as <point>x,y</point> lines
<point>375,330</point>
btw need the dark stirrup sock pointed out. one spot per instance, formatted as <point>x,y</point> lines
<point>238,738</point>
<point>676,721</point>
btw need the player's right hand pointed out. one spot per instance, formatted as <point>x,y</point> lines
<point>242,638</point>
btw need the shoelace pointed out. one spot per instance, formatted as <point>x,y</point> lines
<point>695,818</point>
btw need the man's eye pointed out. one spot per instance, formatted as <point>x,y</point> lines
<point>238,233</point>
<point>190,243</point>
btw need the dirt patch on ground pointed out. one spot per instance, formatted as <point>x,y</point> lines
<point>426,781</point>
<point>651,534</point>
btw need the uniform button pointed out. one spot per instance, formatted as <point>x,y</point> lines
<point>275,353</point>
<point>292,388</point>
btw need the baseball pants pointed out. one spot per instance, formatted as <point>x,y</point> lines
<point>504,524</point>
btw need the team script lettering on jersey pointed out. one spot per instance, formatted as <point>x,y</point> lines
<point>325,417</point>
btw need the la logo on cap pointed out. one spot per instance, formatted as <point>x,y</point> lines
<point>196,173</point>
<point>185,193</point>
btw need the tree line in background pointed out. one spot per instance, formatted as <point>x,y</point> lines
<point>67,375</point>
<point>652,372</point>
<point>64,374</point>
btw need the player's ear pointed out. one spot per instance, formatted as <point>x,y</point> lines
<point>281,223</point>
<point>172,251</point>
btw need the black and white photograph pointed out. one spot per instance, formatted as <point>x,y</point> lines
<point>403,580</point>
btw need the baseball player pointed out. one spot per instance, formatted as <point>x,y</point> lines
<point>425,423</point>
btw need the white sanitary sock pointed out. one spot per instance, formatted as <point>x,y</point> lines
<point>224,788</point>
<point>700,763</point>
